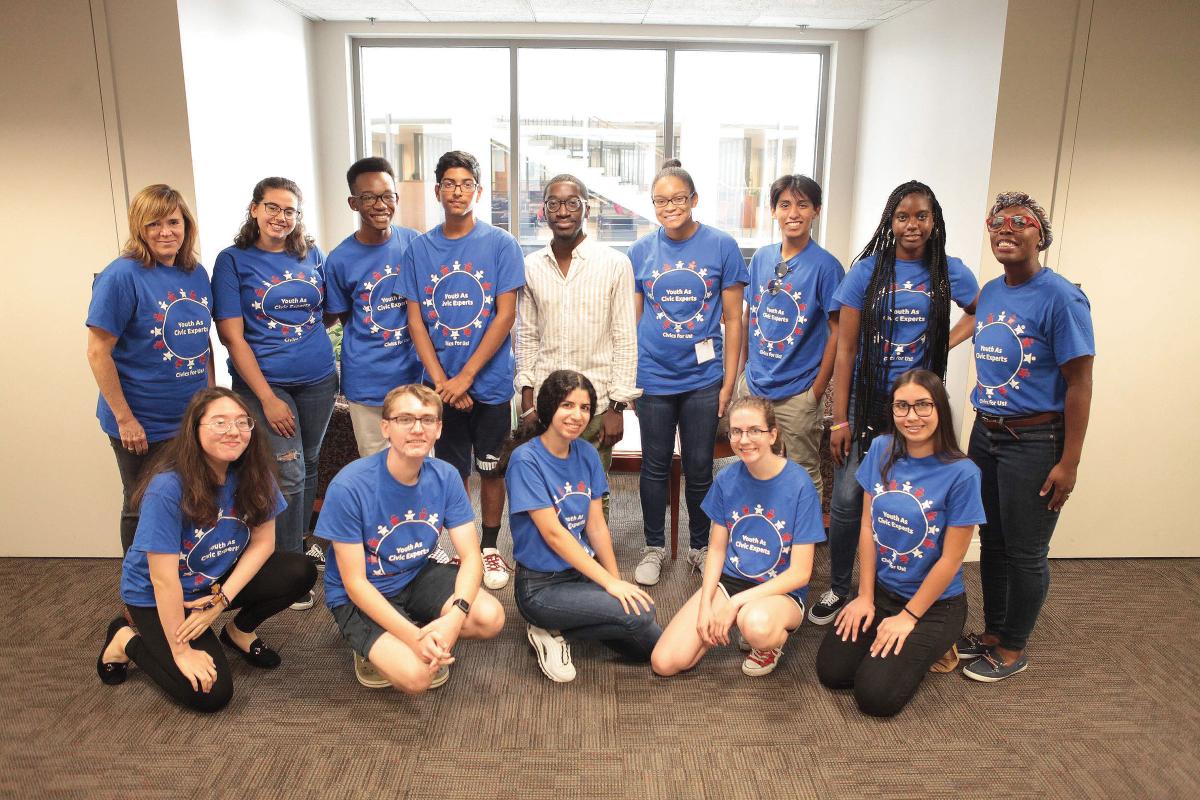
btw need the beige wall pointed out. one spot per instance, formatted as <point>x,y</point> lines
<point>1097,117</point>
<point>96,105</point>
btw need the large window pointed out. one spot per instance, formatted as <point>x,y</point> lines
<point>740,116</point>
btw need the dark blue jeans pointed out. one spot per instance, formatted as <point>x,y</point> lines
<point>296,455</point>
<point>694,413</point>
<point>1015,541</point>
<point>845,522</point>
<point>578,608</point>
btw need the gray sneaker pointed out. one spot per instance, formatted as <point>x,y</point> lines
<point>697,557</point>
<point>650,567</point>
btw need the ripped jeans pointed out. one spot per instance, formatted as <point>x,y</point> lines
<point>296,455</point>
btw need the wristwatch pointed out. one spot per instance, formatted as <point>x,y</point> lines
<point>618,407</point>
<point>462,605</point>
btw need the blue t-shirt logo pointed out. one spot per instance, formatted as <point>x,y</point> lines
<point>909,322</point>
<point>410,541</point>
<point>289,303</point>
<point>572,506</point>
<point>182,329</point>
<point>210,553</point>
<point>680,295</point>
<point>385,311</point>
<point>458,301</point>
<point>1001,354</point>
<point>902,523</point>
<point>759,543</point>
<point>777,320</point>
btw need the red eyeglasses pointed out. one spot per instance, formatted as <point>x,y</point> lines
<point>1019,222</point>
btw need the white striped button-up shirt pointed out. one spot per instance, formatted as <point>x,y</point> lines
<point>583,320</point>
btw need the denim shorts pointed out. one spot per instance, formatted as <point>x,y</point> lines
<point>420,602</point>
<point>731,586</point>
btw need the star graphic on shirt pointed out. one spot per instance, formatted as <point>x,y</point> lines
<point>908,284</point>
<point>272,324</point>
<point>408,515</point>
<point>287,276</point>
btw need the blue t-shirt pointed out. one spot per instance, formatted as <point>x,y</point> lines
<point>377,353</point>
<point>681,284</point>
<point>912,298</point>
<point>205,553</point>
<point>789,329</point>
<point>765,520</point>
<point>457,281</point>
<point>1023,335</point>
<point>537,479</point>
<point>396,525</point>
<point>161,317</point>
<point>910,514</point>
<point>280,300</point>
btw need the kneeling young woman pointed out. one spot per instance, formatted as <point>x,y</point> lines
<point>568,585</point>
<point>766,519</point>
<point>921,505</point>
<point>205,542</point>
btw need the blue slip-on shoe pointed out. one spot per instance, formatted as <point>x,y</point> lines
<point>989,668</point>
<point>970,646</point>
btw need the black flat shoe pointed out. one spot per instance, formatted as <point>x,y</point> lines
<point>112,672</point>
<point>259,656</point>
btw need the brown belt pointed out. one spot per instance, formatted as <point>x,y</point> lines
<point>1002,423</point>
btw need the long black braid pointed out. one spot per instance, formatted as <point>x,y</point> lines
<point>879,305</point>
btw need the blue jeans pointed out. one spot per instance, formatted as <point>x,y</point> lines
<point>845,522</point>
<point>695,414</point>
<point>579,608</point>
<point>1015,541</point>
<point>296,455</point>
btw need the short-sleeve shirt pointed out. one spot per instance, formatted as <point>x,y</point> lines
<point>765,520</point>
<point>377,352</point>
<point>681,284</point>
<point>206,552</point>
<point>457,281</point>
<point>911,291</point>
<point>396,525</point>
<point>1023,336</point>
<point>281,302</point>
<point>161,317</point>
<point>790,327</point>
<point>911,510</point>
<point>538,479</point>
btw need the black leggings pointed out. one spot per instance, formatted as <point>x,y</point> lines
<point>883,686</point>
<point>283,579</point>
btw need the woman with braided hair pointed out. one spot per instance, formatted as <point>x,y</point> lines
<point>895,316</point>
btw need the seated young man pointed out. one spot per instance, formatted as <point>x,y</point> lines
<point>401,612</point>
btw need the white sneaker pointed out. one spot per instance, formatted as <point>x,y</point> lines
<point>495,571</point>
<point>440,677</point>
<point>553,654</point>
<point>761,662</point>
<point>696,558</point>
<point>304,603</point>
<point>368,675</point>
<point>650,567</point>
<point>440,556</point>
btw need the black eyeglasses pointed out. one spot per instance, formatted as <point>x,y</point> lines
<point>573,204</point>
<point>288,213</point>
<point>369,200</point>
<point>781,269</point>
<point>924,408</point>
<point>468,186</point>
<point>679,200</point>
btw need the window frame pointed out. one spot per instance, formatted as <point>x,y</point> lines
<point>669,47</point>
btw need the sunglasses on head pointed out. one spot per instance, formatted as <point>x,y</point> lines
<point>1019,222</point>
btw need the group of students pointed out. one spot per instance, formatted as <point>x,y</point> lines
<point>214,516</point>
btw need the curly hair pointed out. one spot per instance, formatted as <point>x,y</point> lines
<point>298,241</point>
<point>1020,199</point>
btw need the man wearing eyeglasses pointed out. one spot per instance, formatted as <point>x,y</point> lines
<point>576,312</point>
<point>461,280</point>
<point>363,293</point>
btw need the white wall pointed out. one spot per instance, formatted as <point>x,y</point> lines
<point>333,91</point>
<point>247,73</point>
<point>929,87</point>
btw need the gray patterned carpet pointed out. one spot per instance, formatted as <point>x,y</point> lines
<point>1110,707</point>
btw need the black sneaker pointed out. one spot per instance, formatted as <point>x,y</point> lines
<point>316,555</point>
<point>826,609</point>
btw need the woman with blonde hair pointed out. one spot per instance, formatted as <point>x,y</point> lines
<point>148,335</point>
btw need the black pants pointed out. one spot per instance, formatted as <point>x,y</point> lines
<point>883,686</point>
<point>283,579</point>
<point>132,467</point>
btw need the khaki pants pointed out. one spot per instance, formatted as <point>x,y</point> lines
<point>800,420</point>
<point>367,432</point>
<point>591,434</point>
